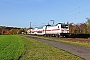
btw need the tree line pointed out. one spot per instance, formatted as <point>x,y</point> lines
<point>80,28</point>
<point>11,30</point>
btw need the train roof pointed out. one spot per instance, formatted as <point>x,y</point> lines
<point>63,23</point>
<point>48,25</point>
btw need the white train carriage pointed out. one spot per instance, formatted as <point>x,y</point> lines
<point>28,31</point>
<point>40,31</point>
<point>34,31</point>
<point>55,30</point>
<point>58,29</point>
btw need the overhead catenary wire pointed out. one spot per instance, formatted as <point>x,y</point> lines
<point>77,12</point>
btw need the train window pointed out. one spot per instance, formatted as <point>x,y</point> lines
<point>58,26</point>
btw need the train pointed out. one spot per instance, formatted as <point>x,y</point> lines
<point>58,30</point>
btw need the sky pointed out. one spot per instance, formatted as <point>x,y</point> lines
<point>19,13</point>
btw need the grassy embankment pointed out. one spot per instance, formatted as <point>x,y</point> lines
<point>83,44</point>
<point>12,47</point>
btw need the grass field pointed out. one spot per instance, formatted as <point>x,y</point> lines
<point>14,47</point>
<point>11,47</point>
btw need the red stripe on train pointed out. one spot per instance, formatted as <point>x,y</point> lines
<point>53,30</point>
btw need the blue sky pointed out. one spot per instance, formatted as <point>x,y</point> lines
<point>20,13</point>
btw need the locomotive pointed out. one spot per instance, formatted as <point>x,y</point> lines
<point>58,30</point>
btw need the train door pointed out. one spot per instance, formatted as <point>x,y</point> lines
<point>59,29</point>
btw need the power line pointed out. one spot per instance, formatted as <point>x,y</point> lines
<point>77,12</point>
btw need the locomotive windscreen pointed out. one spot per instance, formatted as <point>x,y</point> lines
<point>64,26</point>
